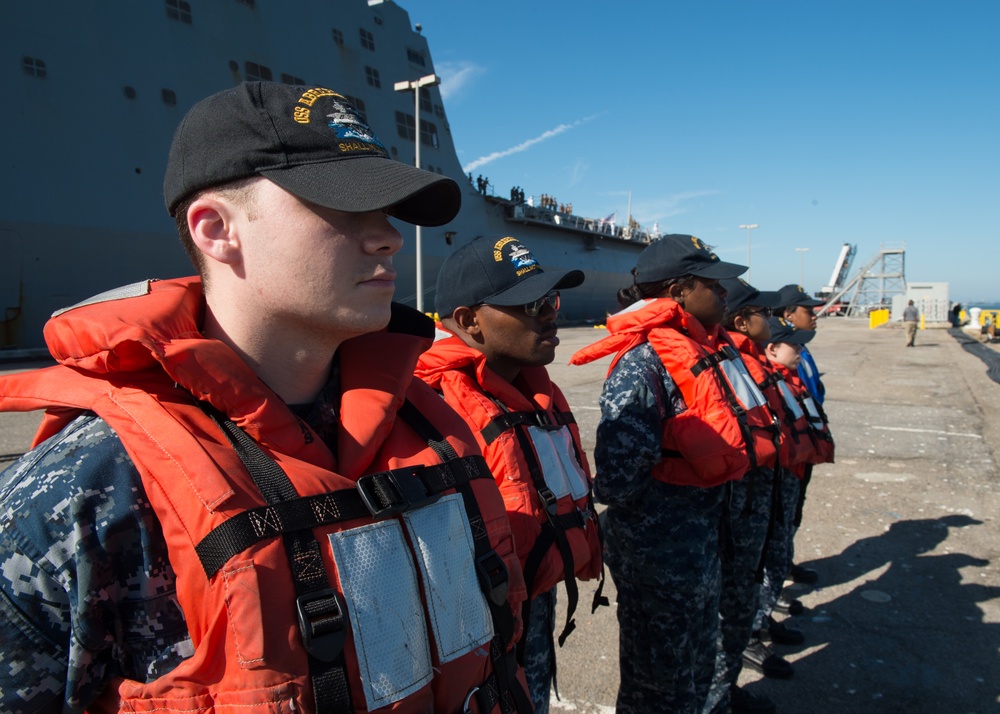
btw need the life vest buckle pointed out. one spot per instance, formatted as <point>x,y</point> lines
<point>544,421</point>
<point>323,623</point>
<point>493,576</point>
<point>387,493</point>
<point>549,501</point>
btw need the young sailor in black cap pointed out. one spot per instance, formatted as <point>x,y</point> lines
<point>797,308</point>
<point>679,417</point>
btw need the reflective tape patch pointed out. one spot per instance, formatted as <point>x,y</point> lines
<point>557,458</point>
<point>791,403</point>
<point>380,587</point>
<point>814,418</point>
<point>459,615</point>
<point>746,389</point>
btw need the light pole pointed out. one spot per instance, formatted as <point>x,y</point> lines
<point>749,227</point>
<point>802,264</point>
<point>414,86</point>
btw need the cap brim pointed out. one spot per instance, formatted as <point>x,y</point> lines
<point>536,287</point>
<point>799,337</point>
<point>373,183</point>
<point>719,271</point>
<point>767,298</point>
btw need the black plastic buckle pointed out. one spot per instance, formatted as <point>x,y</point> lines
<point>544,421</point>
<point>549,500</point>
<point>411,490</point>
<point>493,576</point>
<point>323,623</point>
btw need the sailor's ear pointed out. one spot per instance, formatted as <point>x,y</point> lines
<point>211,222</point>
<point>465,319</point>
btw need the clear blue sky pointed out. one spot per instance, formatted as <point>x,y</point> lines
<point>823,121</point>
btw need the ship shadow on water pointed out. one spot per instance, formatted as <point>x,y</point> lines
<point>909,635</point>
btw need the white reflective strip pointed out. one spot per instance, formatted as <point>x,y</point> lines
<point>791,403</point>
<point>387,618</point>
<point>806,365</point>
<point>460,617</point>
<point>557,458</point>
<point>746,389</point>
<point>813,411</point>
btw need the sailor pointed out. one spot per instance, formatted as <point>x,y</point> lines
<point>670,440</point>
<point>497,332</point>
<point>798,309</point>
<point>814,445</point>
<point>750,512</point>
<point>234,471</point>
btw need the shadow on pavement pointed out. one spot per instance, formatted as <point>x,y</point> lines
<point>904,633</point>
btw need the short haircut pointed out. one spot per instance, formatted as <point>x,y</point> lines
<point>241,192</point>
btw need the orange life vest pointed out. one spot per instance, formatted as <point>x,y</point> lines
<point>531,443</point>
<point>390,624</point>
<point>796,445</point>
<point>727,428</point>
<point>818,424</point>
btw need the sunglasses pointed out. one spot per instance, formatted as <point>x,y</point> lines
<point>762,311</point>
<point>534,309</point>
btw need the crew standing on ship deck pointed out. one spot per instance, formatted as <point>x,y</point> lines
<point>497,333</point>
<point>667,445</point>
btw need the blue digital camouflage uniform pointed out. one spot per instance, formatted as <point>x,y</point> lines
<point>661,545</point>
<point>86,590</point>
<point>780,551</point>
<point>538,654</point>
<point>749,510</point>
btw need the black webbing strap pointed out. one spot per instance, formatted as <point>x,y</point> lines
<point>321,615</point>
<point>508,420</point>
<point>501,686</point>
<point>377,495</point>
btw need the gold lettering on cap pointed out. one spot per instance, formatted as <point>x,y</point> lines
<point>498,247</point>
<point>310,96</point>
<point>301,115</point>
<point>354,146</point>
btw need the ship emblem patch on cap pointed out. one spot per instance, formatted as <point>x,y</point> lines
<point>702,248</point>
<point>324,110</point>
<point>520,257</point>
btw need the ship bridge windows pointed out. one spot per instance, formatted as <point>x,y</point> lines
<point>367,39</point>
<point>372,75</point>
<point>425,99</point>
<point>255,72</point>
<point>33,67</point>
<point>179,10</point>
<point>291,79</point>
<point>429,134</point>
<point>338,37</point>
<point>416,57</point>
<point>169,97</point>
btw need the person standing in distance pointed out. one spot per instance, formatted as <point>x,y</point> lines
<point>497,333</point>
<point>911,321</point>
<point>225,493</point>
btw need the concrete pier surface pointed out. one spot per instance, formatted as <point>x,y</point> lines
<point>902,529</point>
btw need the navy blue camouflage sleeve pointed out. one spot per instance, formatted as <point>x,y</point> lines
<point>638,396</point>
<point>86,590</point>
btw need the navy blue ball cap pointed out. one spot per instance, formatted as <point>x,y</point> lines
<point>740,293</point>
<point>496,271</point>
<point>793,295</point>
<point>784,331</point>
<point>676,255</point>
<point>312,142</point>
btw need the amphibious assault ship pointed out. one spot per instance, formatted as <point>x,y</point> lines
<point>94,90</point>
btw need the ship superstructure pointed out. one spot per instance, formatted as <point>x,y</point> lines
<point>94,91</point>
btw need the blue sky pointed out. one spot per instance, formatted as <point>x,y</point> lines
<point>822,121</point>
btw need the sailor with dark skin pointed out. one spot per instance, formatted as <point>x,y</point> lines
<point>668,444</point>
<point>497,333</point>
